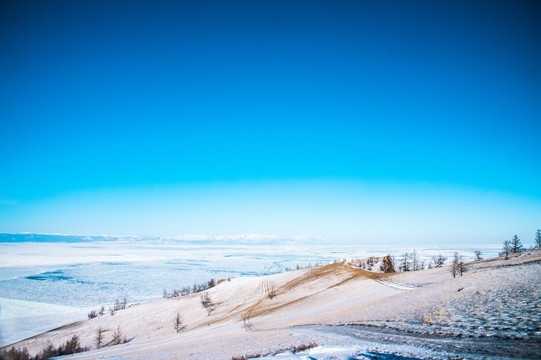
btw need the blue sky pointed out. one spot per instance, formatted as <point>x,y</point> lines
<point>357,121</point>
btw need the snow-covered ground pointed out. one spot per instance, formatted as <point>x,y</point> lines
<point>492,312</point>
<point>38,280</point>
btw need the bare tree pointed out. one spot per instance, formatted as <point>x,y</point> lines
<point>98,340</point>
<point>387,265</point>
<point>462,266</point>
<point>516,246</point>
<point>178,323</point>
<point>506,249</point>
<point>538,239</point>
<point>454,267</point>
<point>439,260</point>
<point>405,263</point>
<point>414,261</point>
<point>117,336</point>
<point>102,311</point>
<point>206,302</point>
<point>477,255</point>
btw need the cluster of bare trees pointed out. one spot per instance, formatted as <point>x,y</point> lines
<point>412,262</point>
<point>71,346</point>
<point>514,245</point>
<point>369,263</point>
<point>118,305</point>
<point>92,314</point>
<point>458,265</point>
<point>117,338</point>
<point>187,290</point>
<point>312,265</point>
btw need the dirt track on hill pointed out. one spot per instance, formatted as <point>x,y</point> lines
<point>342,272</point>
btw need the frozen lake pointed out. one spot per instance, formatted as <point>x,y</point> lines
<point>44,285</point>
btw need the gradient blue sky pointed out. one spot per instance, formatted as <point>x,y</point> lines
<point>357,121</point>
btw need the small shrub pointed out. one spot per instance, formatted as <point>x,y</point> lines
<point>92,314</point>
<point>271,291</point>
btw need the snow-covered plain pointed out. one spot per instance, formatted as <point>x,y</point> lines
<point>45,284</point>
<point>492,312</point>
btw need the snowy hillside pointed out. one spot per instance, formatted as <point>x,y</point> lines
<point>338,310</point>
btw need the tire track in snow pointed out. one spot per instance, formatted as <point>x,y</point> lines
<point>246,317</point>
<point>396,285</point>
<point>382,279</point>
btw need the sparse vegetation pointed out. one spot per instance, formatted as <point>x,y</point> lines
<point>120,304</point>
<point>71,346</point>
<point>293,349</point>
<point>187,290</point>
<point>369,263</point>
<point>15,354</point>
